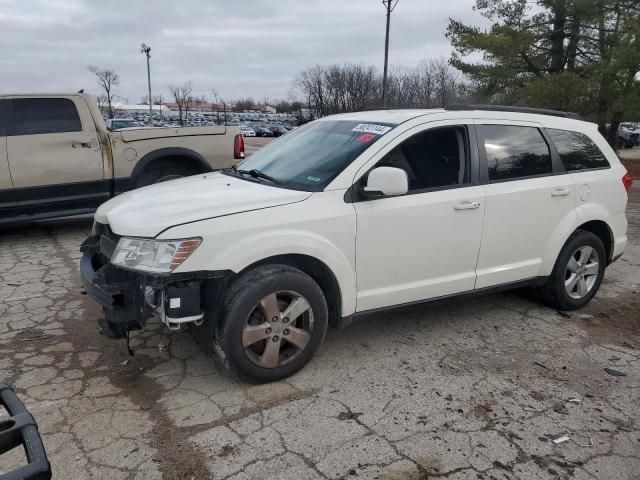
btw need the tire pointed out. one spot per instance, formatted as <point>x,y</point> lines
<point>577,291</point>
<point>158,175</point>
<point>248,302</point>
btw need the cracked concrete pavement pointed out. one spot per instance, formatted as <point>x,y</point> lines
<point>472,389</point>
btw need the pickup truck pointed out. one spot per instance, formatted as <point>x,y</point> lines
<point>57,157</point>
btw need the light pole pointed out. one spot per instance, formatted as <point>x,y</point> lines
<point>146,50</point>
<point>389,6</point>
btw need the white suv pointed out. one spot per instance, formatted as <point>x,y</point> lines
<point>357,213</point>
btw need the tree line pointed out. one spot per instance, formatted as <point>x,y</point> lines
<point>581,56</point>
<point>350,87</point>
<point>183,96</point>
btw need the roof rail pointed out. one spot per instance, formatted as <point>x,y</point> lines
<point>507,108</point>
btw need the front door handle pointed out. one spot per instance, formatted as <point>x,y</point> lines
<point>467,205</point>
<point>81,145</point>
<point>560,192</point>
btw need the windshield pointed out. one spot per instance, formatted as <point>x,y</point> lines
<point>309,157</point>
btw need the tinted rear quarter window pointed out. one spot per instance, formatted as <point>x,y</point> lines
<point>515,152</point>
<point>32,116</point>
<point>577,151</point>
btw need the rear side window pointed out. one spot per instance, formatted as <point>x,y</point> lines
<point>515,152</point>
<point>577,151</point>
<point>33,116</point>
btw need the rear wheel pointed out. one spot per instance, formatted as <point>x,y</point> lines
<point>158,175</point>
<point>274,319</point>
<point>578,272</point>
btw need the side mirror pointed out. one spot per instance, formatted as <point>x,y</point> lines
<point>386,181</point>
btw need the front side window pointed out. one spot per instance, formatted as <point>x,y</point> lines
<point>310,157</point>
<point>432,159</point>
<point>515,152</point>
<point>33,116</point>
<point>577,151</point>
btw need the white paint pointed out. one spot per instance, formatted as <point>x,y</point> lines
<point>392,250</point>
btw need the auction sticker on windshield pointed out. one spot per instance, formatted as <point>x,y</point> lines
<point>371,128</point>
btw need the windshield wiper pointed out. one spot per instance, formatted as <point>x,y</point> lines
<point>255,173</point>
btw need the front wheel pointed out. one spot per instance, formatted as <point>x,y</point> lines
<point>578,272</point>
<point>274,319</point>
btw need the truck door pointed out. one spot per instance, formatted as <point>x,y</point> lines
<point>54,155</point>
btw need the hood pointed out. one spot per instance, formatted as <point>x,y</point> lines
<point>147,211</point>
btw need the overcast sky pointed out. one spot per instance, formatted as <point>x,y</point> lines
<point>239,47</point>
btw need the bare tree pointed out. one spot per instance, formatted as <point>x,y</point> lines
<point>244,104</point>
<point>345,88</point>
<point>102,102</point>
<point>183,99</point>
<point>107,79</point>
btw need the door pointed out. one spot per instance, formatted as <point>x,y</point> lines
<point>54,154</point>
<point>423,244</point>
<point>527,198</point>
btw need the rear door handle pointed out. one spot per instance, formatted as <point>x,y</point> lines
<point>81,145</point>
<point>467,205</point>
<point>560,192</point>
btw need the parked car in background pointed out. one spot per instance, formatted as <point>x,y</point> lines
<point>247,132</point>
<point>261,258</point>
<point>628,137</point>
<point>59,159</point>
<point>278,130</point>
<point>263,132</point>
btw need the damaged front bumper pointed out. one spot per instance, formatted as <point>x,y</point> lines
<point>129,298</point>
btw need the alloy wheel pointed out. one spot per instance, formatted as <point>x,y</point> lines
<point>581,272</point>
<point>278,329</point>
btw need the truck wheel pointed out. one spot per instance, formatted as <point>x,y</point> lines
<point>174,173</point>
<point>274,319</point>
<point>578,272</point>
<point>158,175</point>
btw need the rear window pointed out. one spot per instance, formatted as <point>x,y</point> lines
<point>515,152</point>
<point>577,151</point>
<point>310,157</point>
<point>33,116</point>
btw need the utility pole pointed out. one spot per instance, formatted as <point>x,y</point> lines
<point>389,6</point>
<point>146,50</point>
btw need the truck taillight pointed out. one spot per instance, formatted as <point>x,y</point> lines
<point>238,147</point>
<point>627,181</point>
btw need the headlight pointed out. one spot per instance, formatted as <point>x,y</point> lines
<point>155,256</point>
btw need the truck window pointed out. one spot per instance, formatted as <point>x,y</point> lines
<point>577,151</point>
<point>32,116</point>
